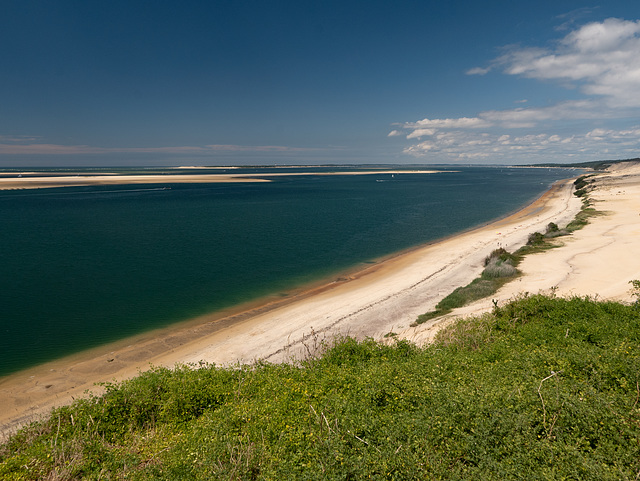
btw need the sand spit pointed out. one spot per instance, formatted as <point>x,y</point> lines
<point>43,182</point>
<point>28,180</point>
<point>388,296</point>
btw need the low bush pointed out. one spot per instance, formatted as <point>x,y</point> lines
<point>499,269</point>
<point>582,218</point>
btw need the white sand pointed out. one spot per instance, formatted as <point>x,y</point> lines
<point>597,260</point>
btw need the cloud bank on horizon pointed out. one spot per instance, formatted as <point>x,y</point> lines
<point>600,59</point>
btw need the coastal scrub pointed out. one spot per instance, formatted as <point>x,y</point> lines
<point>545,386</point>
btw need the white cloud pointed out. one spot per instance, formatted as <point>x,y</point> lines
<point>463,122</point>
<point>419,133</point>
<point>456,146</point>
<point>478,71</point>
<point>601,59</point>
<point>530,117</point>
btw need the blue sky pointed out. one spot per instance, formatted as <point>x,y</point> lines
<point>130,83</point>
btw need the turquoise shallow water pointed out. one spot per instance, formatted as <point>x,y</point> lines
<point>85,266</point>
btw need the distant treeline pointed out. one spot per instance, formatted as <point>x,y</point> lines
<point>595,165</point>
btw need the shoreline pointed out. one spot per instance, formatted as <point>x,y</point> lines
<point>368,301</point>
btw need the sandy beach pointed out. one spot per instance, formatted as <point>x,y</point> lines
<point>598,260</point>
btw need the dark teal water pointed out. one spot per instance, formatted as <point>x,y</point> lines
<point>84,266</point>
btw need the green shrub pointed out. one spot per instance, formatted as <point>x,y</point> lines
<point>582,182</point>
<point>536,239</point>
<point>501,254</point>
<point>582,218</point>
<point>499,269</point>
<point>500,266</point>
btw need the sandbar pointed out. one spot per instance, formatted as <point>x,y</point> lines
<point>31,180</point>
<point>384,297</point>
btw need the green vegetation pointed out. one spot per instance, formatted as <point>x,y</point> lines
<point>543,388</point>
<point>582,218</point>
<point>500,267</point>
<point>636,292</point>
<point>539,242</point>
<point>582,185</point>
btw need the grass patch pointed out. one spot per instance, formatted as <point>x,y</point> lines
<point>583,185</point>
<point>543,388</point>
<point>500,267</point>
<point>540,242</point>
<point>582,217</point>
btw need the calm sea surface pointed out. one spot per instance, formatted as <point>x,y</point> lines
<point>82,266</point>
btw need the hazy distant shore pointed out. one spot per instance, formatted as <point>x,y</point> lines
<point>385,297</point>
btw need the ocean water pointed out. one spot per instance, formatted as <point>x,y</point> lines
<point>83,266</point>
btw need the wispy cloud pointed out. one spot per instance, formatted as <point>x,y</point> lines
<point>571,19</point>
<point>601,59</point>
<point>479,71</point>
<point>17,138</point>
<point>25,146</point>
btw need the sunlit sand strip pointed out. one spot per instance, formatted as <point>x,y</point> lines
<point>42,182</point>
<point>88,180</point>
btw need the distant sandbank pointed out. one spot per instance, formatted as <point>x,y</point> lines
<point>385,297</point>
<point>33,180</point>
